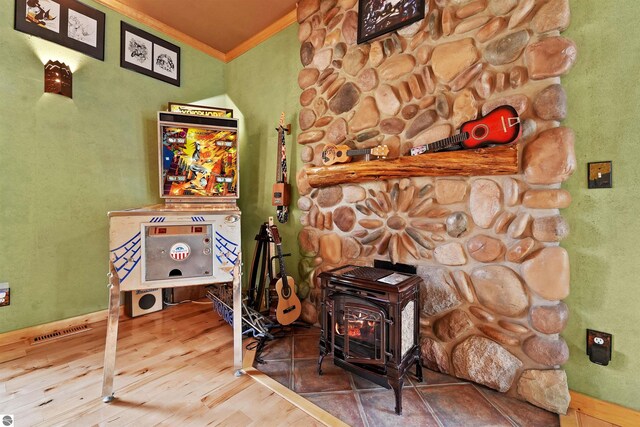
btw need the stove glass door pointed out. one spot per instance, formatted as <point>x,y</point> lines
<point>360,331</point>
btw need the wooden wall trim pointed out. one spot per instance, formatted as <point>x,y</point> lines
<point>27,334</point>
<point>145,19</point>
<point>605,411</point>
<point>263,35</point>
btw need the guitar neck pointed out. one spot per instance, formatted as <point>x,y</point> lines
<point>279,174</point>
<point>283,272</point>
<point>359,152</point>
<point>441,144</point>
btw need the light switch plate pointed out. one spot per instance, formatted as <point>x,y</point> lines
<point>599,174</point>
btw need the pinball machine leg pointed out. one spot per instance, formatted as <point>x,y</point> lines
<point>237,316</point>
<point>112,338</point>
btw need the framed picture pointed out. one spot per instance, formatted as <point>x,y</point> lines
<point>148,54</point>
<point>66,22</point>
<point>378,17</point>
<point>199,110</point>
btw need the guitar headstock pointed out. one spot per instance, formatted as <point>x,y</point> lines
<point>282,120</point>
<point>380,151</point>
<point>275,235</point>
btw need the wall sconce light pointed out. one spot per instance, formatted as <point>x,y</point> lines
<point>58,78</point>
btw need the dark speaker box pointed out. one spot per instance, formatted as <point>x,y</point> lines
<point>142,301</point>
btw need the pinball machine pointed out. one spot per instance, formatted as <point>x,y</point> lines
<point>193,238</point>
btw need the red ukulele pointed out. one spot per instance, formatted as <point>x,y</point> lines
<point>500,126</point>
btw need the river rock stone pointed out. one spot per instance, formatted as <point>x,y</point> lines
<point>452,325</point>
<point>353,193</point>
<point>547,273</point>
<point>484,202</point>
<point>329,196</point>
<point>304,31</point>
<point>464,287</point>
<point>367,116</point>
<point>498,335</point>
<point>484,248</point>
<point>345,99</point>
<point>306,53</point>
<point>396,222</point>
<point>450,191</point>
<point>491,28</point>
<point>331,248</point>
<point>549,319</point>
<point>392,126</point>
<point>396,67</point>
<point>323,121</point>
<point>387,100</point>
<point>486,362</point>
<point>376,54</point>
<point>519,225</point>
<point>481,314</point>
<point>304,203</point>
<point>310,136</point>
<point>516,328</point>
<point>471,24</point>
<point>307,96</point>
<point>307,77</point>
<point>507,48</point>
<point>550,57</point>
<point>350,248</point>
<point>521,12</point>
<point>302,182</point>
<point>337,131</point>
<point>546,351</point>
<point>457,224</point>
<point>551,103</point>
<point>547,389</point>
<point>307,118</point>
<point>322,59</point>
<point>550,158</point>
<point>520,250</point>
<point>434,356</point>
<point>471,8</point>
<point>306,154</point>
<point>309,241</point>
<point>502,7</point>
<point>353,61</point>
<point>500,290</point>
<point>420,123</point>
<point>465,108</point>
<point>550,228</point>
<point>553,15</point>
<point>350,27</point>
<point>317,154</point>
<point>344,217</point>
<point>367,80</point>
<point>450,59</point>
<point>450,254</point>
<point>547,199</point>
<point>371,224</point>
<point>511,189</point>
<point>437,291</point>
<point>503,221</point>
<point>306,8</point>
<point>433,133</point>
<point>320,106</point>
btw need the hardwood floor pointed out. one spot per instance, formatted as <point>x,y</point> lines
<point>173,367</point>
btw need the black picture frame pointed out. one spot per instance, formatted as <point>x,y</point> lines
<point>378,17</point>
<point>149,55</point>
<point>68,23</point>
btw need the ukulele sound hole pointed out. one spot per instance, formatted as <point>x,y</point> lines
<point>480,131</point>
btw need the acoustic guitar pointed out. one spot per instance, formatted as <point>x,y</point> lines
<point>342,153</point>
<point>500,126</point>
<point>289,307</point>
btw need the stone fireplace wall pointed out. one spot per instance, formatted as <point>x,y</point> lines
<point>486,247</point>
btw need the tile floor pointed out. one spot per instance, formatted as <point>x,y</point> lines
<point>440,400</point>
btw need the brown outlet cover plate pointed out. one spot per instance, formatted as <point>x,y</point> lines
<point>599,174</point>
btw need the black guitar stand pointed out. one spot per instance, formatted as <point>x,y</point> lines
<point>262,262</point>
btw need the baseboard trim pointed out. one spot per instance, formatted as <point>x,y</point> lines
<point>605,411</point>
<point>27,334</point>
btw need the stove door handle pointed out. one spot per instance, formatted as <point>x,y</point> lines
<point>389,321</point>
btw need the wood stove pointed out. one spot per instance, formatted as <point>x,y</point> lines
<point>370,324</point>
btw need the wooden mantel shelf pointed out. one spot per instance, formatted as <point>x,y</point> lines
<point>499,160</point>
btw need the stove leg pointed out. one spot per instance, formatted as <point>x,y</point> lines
<point>320,359</point>
<point>397,389</point>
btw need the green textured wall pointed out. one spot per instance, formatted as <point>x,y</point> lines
<point>603,95</point>
<point>262,83</point>
<point>65,163</point>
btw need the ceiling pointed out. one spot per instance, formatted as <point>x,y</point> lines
<point>219,24</point>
